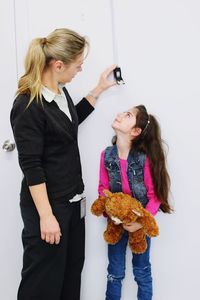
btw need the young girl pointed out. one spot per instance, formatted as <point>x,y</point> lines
<point>135,165</point>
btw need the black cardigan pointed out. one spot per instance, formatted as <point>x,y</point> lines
<point>47,145</point>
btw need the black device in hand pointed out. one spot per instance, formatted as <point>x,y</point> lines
<point>118,75</point>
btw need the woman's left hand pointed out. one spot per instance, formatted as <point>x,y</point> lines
<point>103,84</point>
<point>104,81</point>
<point>132,227</point>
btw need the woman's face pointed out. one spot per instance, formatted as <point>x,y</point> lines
<point>69,71</point>
<point>125,121</point>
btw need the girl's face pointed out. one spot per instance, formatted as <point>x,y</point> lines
<point>125,122</point>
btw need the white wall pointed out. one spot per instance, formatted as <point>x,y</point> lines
<point>158,49</point>
<point>159,52</point>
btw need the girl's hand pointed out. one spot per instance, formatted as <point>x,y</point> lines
<point>132,227</point>
<point>50,229</point>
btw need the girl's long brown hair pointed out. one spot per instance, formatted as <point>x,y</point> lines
<point>151,143</point>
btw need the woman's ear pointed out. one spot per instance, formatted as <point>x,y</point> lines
<point>136,131</point>
<point>58,65</point>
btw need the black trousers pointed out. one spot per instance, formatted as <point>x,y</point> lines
<point>53,272</point>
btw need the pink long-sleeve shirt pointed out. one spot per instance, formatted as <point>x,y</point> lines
<point>153,203</point>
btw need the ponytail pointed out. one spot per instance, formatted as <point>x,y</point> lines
<point>150,142</point>
<point>35,61</point>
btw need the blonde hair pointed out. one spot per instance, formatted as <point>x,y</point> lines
<point>62,44</point>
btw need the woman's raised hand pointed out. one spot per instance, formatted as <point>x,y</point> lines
<point>104,81</point>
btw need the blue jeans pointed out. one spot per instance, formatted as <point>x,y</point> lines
<point>116,270</point>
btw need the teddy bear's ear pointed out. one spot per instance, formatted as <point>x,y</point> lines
<point>107,193</point>
<point>137,213</point>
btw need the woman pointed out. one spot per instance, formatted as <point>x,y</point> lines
<point>45,124</point>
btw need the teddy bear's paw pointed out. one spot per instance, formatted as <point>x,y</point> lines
<point>138,248</point>
<point>137,236</point>
<point>96,210</point>
<point>149,224</point>
<point>112,237</point>
<point>153,232</point>
<point>98,206</point>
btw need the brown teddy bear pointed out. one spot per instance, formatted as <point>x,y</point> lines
<point>124,209</point>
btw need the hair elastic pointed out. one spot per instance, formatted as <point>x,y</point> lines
<point>43,41</point>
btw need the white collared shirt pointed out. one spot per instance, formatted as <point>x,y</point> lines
<point>60,99</point>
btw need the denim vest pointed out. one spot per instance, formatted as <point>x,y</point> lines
<point>135,173</point>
